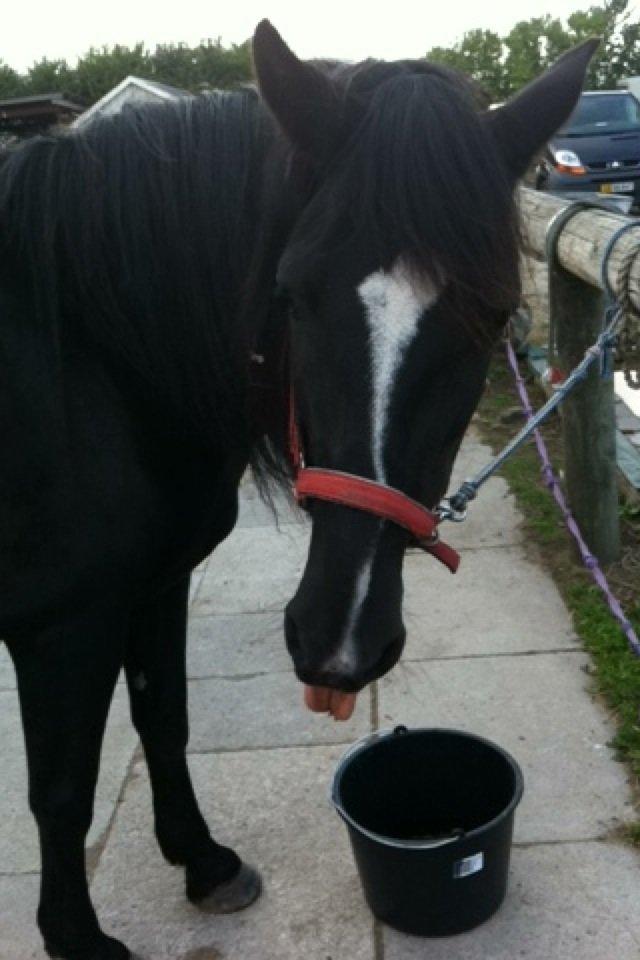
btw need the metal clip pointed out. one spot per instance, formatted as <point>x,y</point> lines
<point>445,511</point>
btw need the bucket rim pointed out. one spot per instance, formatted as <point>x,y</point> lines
<point>377,736</point>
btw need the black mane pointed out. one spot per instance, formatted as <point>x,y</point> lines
<point>419,172</point>
<point>161,228</point>
<point>146,225</point>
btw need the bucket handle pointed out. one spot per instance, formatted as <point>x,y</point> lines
<point>376,837</point>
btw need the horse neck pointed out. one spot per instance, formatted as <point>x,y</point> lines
<point>287,185</point>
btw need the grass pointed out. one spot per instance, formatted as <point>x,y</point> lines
<point>616,671</point>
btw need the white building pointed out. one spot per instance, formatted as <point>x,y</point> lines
<point>130,90</point>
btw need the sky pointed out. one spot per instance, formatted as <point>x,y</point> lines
<point>344,29</point>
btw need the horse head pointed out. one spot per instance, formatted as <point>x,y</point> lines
<point>401,271</point>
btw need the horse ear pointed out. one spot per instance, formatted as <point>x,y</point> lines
<point>301,97</point>
<point>526,122</point>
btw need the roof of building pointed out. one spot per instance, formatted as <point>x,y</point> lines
<point>53,99</point>
<point>173,91</point>
<point>161,90</point>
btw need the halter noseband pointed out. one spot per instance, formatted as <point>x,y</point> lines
<point>368,495</point>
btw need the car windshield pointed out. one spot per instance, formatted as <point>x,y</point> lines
<point>609,113</point>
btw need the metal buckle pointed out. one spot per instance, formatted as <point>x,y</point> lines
<point>425,543</point>
<point>431,541</point>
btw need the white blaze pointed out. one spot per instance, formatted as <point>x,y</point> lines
<point>393,307</point>
<point>346,656</point>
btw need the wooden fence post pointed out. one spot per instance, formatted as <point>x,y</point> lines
<point>588,415</point>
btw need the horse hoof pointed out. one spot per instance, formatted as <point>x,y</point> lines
<point>233,895</point>
<point>106,949</point>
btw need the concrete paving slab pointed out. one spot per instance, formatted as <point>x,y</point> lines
<point>272,807</point>
<point>493,519</point>
<point>19,851</point>
<point>565,902</point>
<point>19,935</point>
<point>7,673</point>
<point>255,570</point>
<point>243,595</point>
<point>473,455</point>
<point>263,710</point>
<point>240,644</point>
<point>537,708</point>
<point>194,585</point>
<point>258,553</point>
<point>500,601</point>
<point>254,512</point>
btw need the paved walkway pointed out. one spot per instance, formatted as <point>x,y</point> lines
<point>491,650</point>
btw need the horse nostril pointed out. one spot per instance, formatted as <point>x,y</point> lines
<point>313,666</point>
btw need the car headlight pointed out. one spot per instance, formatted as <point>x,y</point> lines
<point>566,161</point>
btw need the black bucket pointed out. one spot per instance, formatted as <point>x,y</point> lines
<point>430,819</point>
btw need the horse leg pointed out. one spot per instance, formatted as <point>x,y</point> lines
<point>66,678</point>
<point>155,663</point>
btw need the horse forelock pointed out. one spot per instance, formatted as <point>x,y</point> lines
<point>421,179</point>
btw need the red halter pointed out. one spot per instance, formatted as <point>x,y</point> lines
<point>369,495</point>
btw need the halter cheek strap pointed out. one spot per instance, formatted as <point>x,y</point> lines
<point>368,495</point>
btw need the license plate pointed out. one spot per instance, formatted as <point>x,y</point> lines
<point>625,186</point>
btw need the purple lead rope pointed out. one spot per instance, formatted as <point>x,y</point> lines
<point>551,481</point>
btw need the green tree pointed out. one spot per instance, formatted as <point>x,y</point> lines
<point>175,64</point>
<point>479,56</point>
<point>627,50</point>
<point>49,76</point>
<point>619,55</point>
<point>504,65</point>
<point>482,56</point>
<point>223,69</point>
<point>99,70</point>
<point>556,40</point>
<point>448,56</point>
<point>11,83</point>
<point>525,44</point>
<point>209,65</point>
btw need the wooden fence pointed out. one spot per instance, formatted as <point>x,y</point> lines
<point>576,307</point>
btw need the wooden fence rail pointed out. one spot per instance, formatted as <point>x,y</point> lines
<point>576,306</point>
<point>583,240</point>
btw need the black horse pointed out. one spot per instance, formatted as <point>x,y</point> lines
<point>354,225</point>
